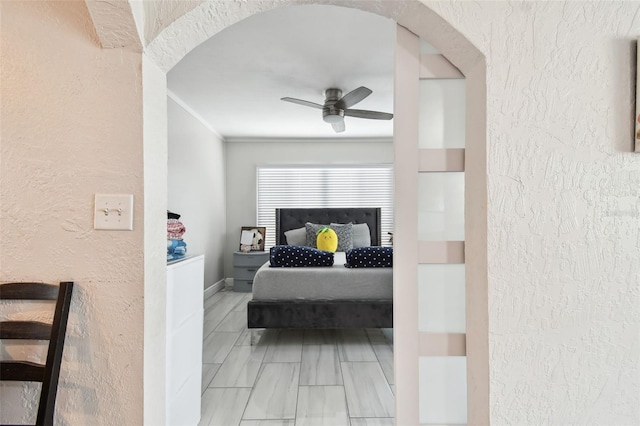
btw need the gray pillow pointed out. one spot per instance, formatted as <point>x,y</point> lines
<point>296,237</point>
<point>361,235</point>
<point>344,233</point>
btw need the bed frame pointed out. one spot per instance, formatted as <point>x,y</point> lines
<point>322,313</point>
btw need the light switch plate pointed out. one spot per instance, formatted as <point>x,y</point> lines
<point>113,212</point>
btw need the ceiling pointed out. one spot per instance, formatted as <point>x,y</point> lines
<point>235,80</point>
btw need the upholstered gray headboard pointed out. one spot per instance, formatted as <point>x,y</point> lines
<point>287,219</point>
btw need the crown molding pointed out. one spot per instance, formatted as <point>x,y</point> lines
<point>194,114</point>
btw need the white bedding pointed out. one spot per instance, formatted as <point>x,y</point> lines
<point>323,283</point>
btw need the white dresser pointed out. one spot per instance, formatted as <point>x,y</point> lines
<point>185,290</point>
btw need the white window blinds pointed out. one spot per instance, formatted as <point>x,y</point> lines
<point>324,186</point>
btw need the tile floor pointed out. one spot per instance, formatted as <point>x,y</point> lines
<point>292,377</point>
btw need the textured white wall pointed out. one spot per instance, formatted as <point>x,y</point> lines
<point>155,240</point>
<point>563,189</point>
<point>159,13</point>
<point>72,127</point>
<point>243,157</point>
<point>563,209</point>
<point>196,187</point>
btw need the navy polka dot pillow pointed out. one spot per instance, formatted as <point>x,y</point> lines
<point>298,256</point>
<point>370,257</point>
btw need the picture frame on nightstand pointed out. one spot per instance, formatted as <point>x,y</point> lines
<point>252,238</point>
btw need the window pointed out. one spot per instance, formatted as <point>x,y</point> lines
<point>324,186</point>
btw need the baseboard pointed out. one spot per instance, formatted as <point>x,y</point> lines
<point>229,284</point>
<point>214,288</point>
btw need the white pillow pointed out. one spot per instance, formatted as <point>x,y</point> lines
<point>361,235</point>
<point>296,237</point>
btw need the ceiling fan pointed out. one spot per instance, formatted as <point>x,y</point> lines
<point>336,107</point>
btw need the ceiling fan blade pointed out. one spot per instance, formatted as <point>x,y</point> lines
<point>338,126</point>
<point>353,97</point>
<point>302,102</point>
<point>374,115</point>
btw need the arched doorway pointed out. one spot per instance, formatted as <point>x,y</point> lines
<point>178,38</point>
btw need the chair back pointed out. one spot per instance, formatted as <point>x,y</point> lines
<point>54,332</point>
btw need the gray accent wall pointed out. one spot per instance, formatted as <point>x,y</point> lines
<point>242,158</point>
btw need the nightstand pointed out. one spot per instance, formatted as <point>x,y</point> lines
<point>245,266</point>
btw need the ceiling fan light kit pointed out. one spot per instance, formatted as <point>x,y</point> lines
<point>332,115</point>
<point>336,107</point>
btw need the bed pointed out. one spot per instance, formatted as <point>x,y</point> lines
<point>288,298</point>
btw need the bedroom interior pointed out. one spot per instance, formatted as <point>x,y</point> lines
<point>287,135</point>
<point>297,136</point>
